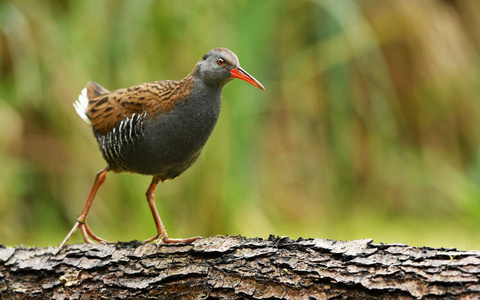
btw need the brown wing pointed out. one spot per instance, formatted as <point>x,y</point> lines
<point>105,109</point>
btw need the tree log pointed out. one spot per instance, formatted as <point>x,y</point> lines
<point>227,267</point>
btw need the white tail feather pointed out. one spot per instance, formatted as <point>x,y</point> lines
<point>81,106</point>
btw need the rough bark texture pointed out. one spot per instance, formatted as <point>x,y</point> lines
<point>226,267</point>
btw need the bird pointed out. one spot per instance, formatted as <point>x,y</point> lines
<point>156,128</point>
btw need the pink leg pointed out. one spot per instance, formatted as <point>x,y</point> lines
<point>161,232</point>
<point>81,223</point>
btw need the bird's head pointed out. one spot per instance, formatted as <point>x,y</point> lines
<point>220,66</point>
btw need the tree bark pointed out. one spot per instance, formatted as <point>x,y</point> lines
<point>226,267</point>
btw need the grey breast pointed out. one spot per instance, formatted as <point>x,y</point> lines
<point>168,143</point>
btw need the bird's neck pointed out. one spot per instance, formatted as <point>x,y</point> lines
<point>207,80</point>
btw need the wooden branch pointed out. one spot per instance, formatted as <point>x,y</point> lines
<point>226,267</point>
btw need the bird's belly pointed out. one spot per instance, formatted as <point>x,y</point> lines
<point>161,155</point>
<point>166,145</point>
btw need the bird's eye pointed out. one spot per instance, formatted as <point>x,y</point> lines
<point>221,61</point>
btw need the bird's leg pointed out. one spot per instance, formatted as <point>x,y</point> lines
<point>161,232</point>
<point>81,223</point>
<point>156,216</point>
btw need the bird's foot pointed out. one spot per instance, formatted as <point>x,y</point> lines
<point>168,240</point>
<point>161,239</point>
<point>153,238</point>
<point>87,233</point>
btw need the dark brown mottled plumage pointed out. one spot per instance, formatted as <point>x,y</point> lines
<point>156,128</point>
<point>105,109</point>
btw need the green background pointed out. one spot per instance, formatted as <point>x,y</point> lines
<point>368,127</point>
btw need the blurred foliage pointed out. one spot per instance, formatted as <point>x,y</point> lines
<point>368,127</point>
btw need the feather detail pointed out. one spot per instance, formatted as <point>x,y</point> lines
<point>81,106</point>
<point>126,132</point>
<point>107,109</point>
<point>95,90</point>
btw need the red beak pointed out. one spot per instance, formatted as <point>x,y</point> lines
<point>243,75</point>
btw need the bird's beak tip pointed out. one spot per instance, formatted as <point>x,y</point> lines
<point>243,75</point>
